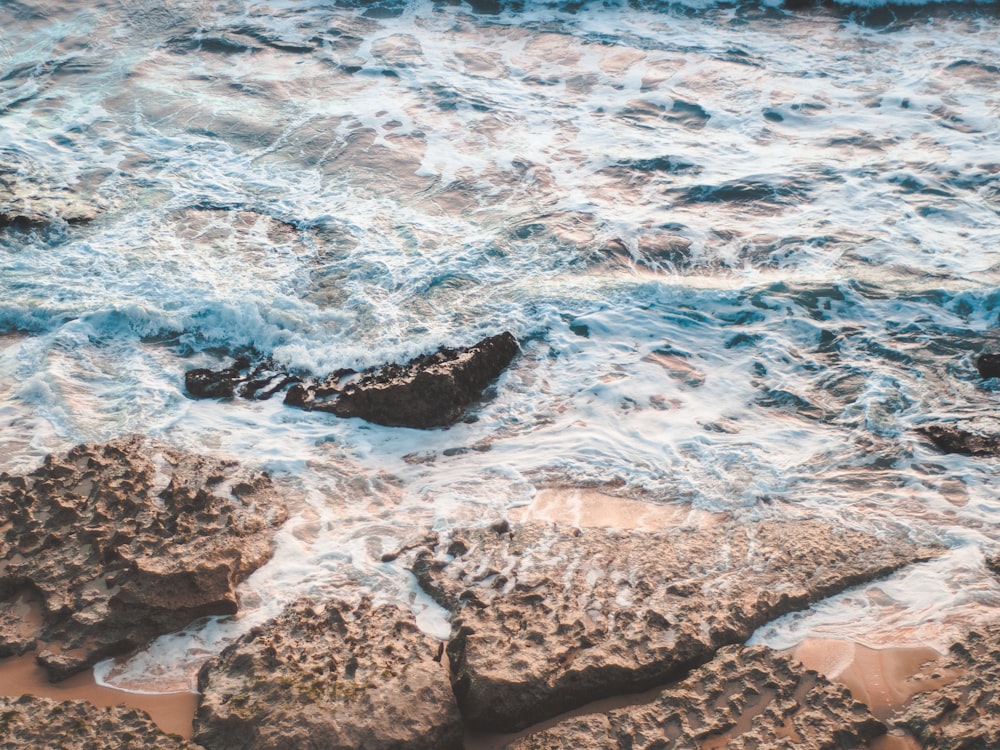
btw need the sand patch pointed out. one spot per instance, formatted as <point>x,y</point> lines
<point>590,508</point>
<point>172,712</point>
<point>883,679</point>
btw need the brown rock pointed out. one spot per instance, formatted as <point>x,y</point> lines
<point>743,699</point>
<point>336,677</point>
<point>125,541</point>
<point>952,439</point>
<point>30,722</point>
<point>430,391</point>
<point>962,715</point>
<point>546,619</point>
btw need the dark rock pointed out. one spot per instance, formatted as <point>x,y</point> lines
<point>126,541</point>
<point>545,619</point>
<point>429,391</point>
<point>989,365</point>
<point>258,382</point>
<point>993,564</point>
<point>743,699</point>
<point>331,676</point>
<point>432,390</point>
<point>30,722</point>
<point>952,439</point>
<point>963,714</point>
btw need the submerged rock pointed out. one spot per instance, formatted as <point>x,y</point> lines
<point>963,714</point>
<point>743,699</point>
<point>32,196</point>
<point>30,722</point>
<point>432,390</point>
<point>125,541</point>
<point>952,439</point>
<point>545,619</point>
<point>333,676</point>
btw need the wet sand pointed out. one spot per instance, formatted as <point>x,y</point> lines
<point>883,679</point>
<point>172,712</point>
<point>585,507</point>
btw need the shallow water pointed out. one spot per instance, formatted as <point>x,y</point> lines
<point>747,251</point>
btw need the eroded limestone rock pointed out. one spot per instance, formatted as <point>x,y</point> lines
<point>743,699</point>
<point>331,675</point>
<point>124,541</point>
<point>30,722</point>
<point>963,714</point>
<point>547,618</point>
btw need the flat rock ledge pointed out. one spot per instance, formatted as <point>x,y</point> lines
<point>30,722</point>
<point>432,390</point>
<point>963,714</point>
<point>118,543</point>
<point>546,618</point>
<point>335,676</point>
<point>743,699</point>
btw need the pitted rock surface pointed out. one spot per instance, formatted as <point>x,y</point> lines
<point>962,715</point>
<point>744,699</point>
<point>334,676</point>
<point>546,618</point>
<point>125,541</point>
<point>30,722</point>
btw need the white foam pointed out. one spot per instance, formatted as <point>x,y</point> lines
<point>273,200</point>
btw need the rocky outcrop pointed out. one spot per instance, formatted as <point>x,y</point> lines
<point>30,722</point>
<point>743,699</point>
<point>124,541</point>
<point>258,382</point>
<point>963,714</point>
<point>988,365</point>
<point>952,439</point>
<point>429,391</point>
<point>546,619</point>
<point>432,390</point>
<point>334,676</point>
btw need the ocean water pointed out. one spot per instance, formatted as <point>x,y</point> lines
<point>747,251</point>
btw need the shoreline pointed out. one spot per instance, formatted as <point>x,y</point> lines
<point>172,712</point>
<point>882,679</point>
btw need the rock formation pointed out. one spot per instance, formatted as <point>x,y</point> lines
<point>546,619</point>
<point>331,676</point>
<point>32,196</point>
<point>952,439</point>
<point>432,390</point>
<point>429,391</point>
<point>962,715</point>
<point>988,365</point>
<point>124,541</point>
<point>30,722</point>
<point>743,699</point>
<point>258,382</point>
